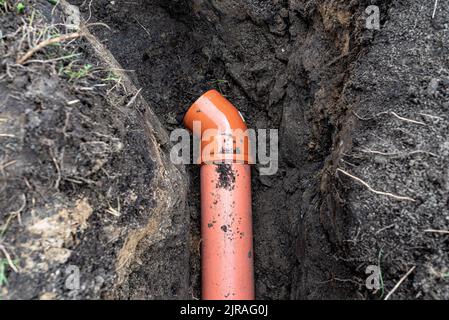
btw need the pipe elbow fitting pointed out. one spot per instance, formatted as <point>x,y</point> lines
<point>227,264</point>
<point>221,127</point>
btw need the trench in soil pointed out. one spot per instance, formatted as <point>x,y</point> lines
<point>179,49</point>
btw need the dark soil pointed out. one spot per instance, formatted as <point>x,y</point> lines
<point>406,73</point>
<point>81,173</point>
<point>337,92</point>
<point>298,66</point>
<point>271,60</point>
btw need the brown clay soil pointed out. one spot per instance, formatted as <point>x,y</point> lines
<point>86,182</point>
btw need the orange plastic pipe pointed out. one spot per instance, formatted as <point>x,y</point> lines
<point>226,215</point>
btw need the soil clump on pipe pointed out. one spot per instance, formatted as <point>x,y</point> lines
<point>226,176</point>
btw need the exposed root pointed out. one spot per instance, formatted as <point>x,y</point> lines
<point>401,154</point>
<point>386,228</point>
<point>431,116</point>
<point>131,101</point>
<point>376,191</point>
<point>12,215</point>
<point>45,43</point>
<point>145,29</point>
<point>8,258</point>
<point>394,114</point>
<point>3,166</point>
<point>406,119</point>
<point>435,7</point>
<point>58,170</point>
<point>18,212</point>
<point>399,283</point>
<point>437,231</point>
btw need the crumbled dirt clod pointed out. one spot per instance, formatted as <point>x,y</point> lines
<point>226,176</point>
